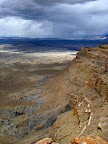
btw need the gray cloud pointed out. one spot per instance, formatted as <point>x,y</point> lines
<point>33,8</point>
<point>49,2</point>
<point>64,18</point>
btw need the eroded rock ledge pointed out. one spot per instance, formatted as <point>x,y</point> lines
<point>85,140</point>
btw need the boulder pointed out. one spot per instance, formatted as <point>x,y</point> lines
<point>88,140</point>
<point>45,141</point>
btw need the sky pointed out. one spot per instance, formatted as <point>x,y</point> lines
<point>53,18</point>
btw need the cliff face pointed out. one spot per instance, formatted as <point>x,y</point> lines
<point>72,103</point>
<point>81,92</point>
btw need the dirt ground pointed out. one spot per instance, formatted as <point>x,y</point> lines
<point>21,71</point>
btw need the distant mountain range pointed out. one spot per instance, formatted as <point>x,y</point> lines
<point>56,44</point>
<point>90,37</point>
<point>81,37</point>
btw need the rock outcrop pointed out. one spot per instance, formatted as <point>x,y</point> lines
<point>85,140</point>
<point>88,140</point>
<point>81,92</point>
<point>45,141</point>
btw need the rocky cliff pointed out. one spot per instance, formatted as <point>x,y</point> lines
<point>72,103</point>
<point>81,92</point>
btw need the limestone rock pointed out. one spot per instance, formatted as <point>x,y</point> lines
<point>45,141</point>
<point>88,140</point>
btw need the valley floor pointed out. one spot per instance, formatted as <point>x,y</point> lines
<point>22,76</point>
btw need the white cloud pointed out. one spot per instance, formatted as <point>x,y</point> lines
<point>27,28</point>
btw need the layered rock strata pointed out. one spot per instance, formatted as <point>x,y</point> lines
<point>81,91</point>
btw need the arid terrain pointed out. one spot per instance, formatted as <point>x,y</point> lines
<point>22,76</point>
<point>21,72</point>
<point>53,95</point>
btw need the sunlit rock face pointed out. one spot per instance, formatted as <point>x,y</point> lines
<point>45,141</point>
<point>85,140</point>
<point>81,90</point>
<point>88,140</point>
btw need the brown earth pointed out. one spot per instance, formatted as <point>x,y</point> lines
<point>18,76</point>
<point>21,79</point>
<point>81,91</point>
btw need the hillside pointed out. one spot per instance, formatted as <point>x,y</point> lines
<point>71,103</point>
<point>81,92</point>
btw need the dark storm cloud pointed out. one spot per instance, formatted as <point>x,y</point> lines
<point>33,9</point>
<point>64,18</point>
<point>50,2</point>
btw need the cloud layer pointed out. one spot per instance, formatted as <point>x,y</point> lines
<point>53,18</point>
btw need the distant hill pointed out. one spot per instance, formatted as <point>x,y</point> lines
<point>46,44</point>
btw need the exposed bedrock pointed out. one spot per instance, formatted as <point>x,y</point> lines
<point>84,85</point>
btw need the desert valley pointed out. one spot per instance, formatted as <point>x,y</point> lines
<point>58,96</point>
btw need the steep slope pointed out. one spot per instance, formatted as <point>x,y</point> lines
<point>82,90</point>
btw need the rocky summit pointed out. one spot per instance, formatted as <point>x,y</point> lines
<point>72,103</point>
